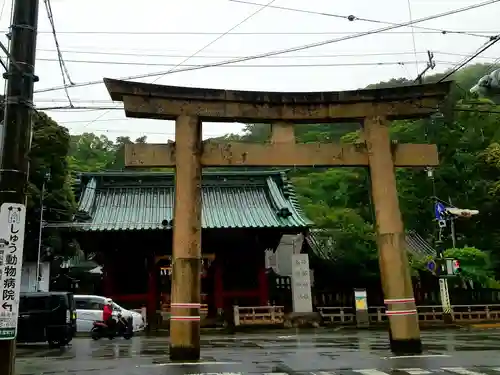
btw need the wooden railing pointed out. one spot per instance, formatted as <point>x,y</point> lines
<point>258,315</point>
<point>461,314</point>
<point>275,315</point>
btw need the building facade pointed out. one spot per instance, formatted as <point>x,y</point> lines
<point>127,218</point>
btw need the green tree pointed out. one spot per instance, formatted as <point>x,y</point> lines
<point>475,265</point>
<point>89,153</point>
<point>48,155</point>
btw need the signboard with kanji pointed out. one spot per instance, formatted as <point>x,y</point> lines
<point>301,284</point>
<point>12,224</point>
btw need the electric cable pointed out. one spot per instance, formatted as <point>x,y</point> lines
<point>102,108</point>
<point>243,66</point>
<point>288,50</point>
<point>262,7</point>
<point>338,55</point>
<point>354,18</point>
<point>488,45</point>
<point>2,9</point>
<point>413,37</point>
<point>475,33</point>
<point>62,64</point>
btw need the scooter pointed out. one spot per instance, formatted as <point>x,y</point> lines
<point>122,327</point>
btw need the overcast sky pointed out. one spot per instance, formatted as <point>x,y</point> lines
<point>153,36</point>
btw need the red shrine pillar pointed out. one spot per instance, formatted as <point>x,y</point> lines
<point>218,287</point>
<point>263,287</point>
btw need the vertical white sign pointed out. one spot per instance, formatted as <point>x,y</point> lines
<point>301,284</point>
<point>12,224</point>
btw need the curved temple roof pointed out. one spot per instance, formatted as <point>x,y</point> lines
<point>114,201</point>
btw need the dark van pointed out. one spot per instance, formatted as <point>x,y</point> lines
<point>47,316</point>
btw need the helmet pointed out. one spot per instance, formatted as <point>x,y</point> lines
<point>108,301</point>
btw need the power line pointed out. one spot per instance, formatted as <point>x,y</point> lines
<point>77,108</point>
<point>243,66</point>
<point>289,50</point>
<point>462,64</point>
<point>102,108</point>
<point>413,37</point>
<point>126,119</point>
<point>337,55</point>
<point>261,8</point>
<point>476,33</point>
<point>62,64</point>
<point>354,18</point>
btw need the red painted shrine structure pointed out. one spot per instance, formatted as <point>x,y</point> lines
<point>127,218</point>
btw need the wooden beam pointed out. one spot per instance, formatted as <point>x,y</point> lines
<point>119,89</point>
<point>279,155</point>
<point>224,111</point>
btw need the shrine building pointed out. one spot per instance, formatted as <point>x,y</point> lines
<point>127,218</point>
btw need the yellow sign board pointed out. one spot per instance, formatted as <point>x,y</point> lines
<point>360,300</point>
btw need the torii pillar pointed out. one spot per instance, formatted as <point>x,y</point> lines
<point>394,268</point>
<point>186,259</point>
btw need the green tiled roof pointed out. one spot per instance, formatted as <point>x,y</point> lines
<point>112,201</point>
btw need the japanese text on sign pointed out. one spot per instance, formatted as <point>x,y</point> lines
<point>301,283</point>
<point>12,222</point>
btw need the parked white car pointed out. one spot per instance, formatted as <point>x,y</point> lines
<point>89,309</point>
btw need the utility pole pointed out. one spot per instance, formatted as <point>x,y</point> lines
<point>46,177</point>
<point>16,144</point>
<point>431,64</point>
<point>452,227</point>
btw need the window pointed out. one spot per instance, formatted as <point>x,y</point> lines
<point>96,304</point>
<point>28,304</point>
<point>82,304</point>
<point>89,303</point>
<point>116,308</point>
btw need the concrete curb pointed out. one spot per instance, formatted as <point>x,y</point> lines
<point>480,326</point>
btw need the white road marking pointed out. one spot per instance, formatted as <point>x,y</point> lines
<point>370,371</point>
<point>461,371</point>
<point>323,373</point>
<point>189,364</point>
<point>418,356</point>
<point>415,371</point>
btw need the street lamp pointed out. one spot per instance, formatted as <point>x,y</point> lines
<point>46,178</point>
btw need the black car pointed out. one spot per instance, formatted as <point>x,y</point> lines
<point>47,316</point>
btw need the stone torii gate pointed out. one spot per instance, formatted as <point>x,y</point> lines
<point>373,108</point>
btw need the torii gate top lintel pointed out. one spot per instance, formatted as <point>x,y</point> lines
<point>145,100</point>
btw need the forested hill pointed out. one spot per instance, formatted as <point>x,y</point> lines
<point>338,199</point>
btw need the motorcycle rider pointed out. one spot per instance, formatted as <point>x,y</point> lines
<point>107,313</point>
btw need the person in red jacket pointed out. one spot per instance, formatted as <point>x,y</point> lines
<point>107,312</point>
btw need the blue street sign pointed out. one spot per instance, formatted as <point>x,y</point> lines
<point>439,210</point>
<point>431,266</point>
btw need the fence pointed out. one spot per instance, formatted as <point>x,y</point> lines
<point>258,315</point>
<point>460,313</point>
<point>275,315</point>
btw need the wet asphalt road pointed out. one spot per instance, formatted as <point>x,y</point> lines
<point>320,353</point>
